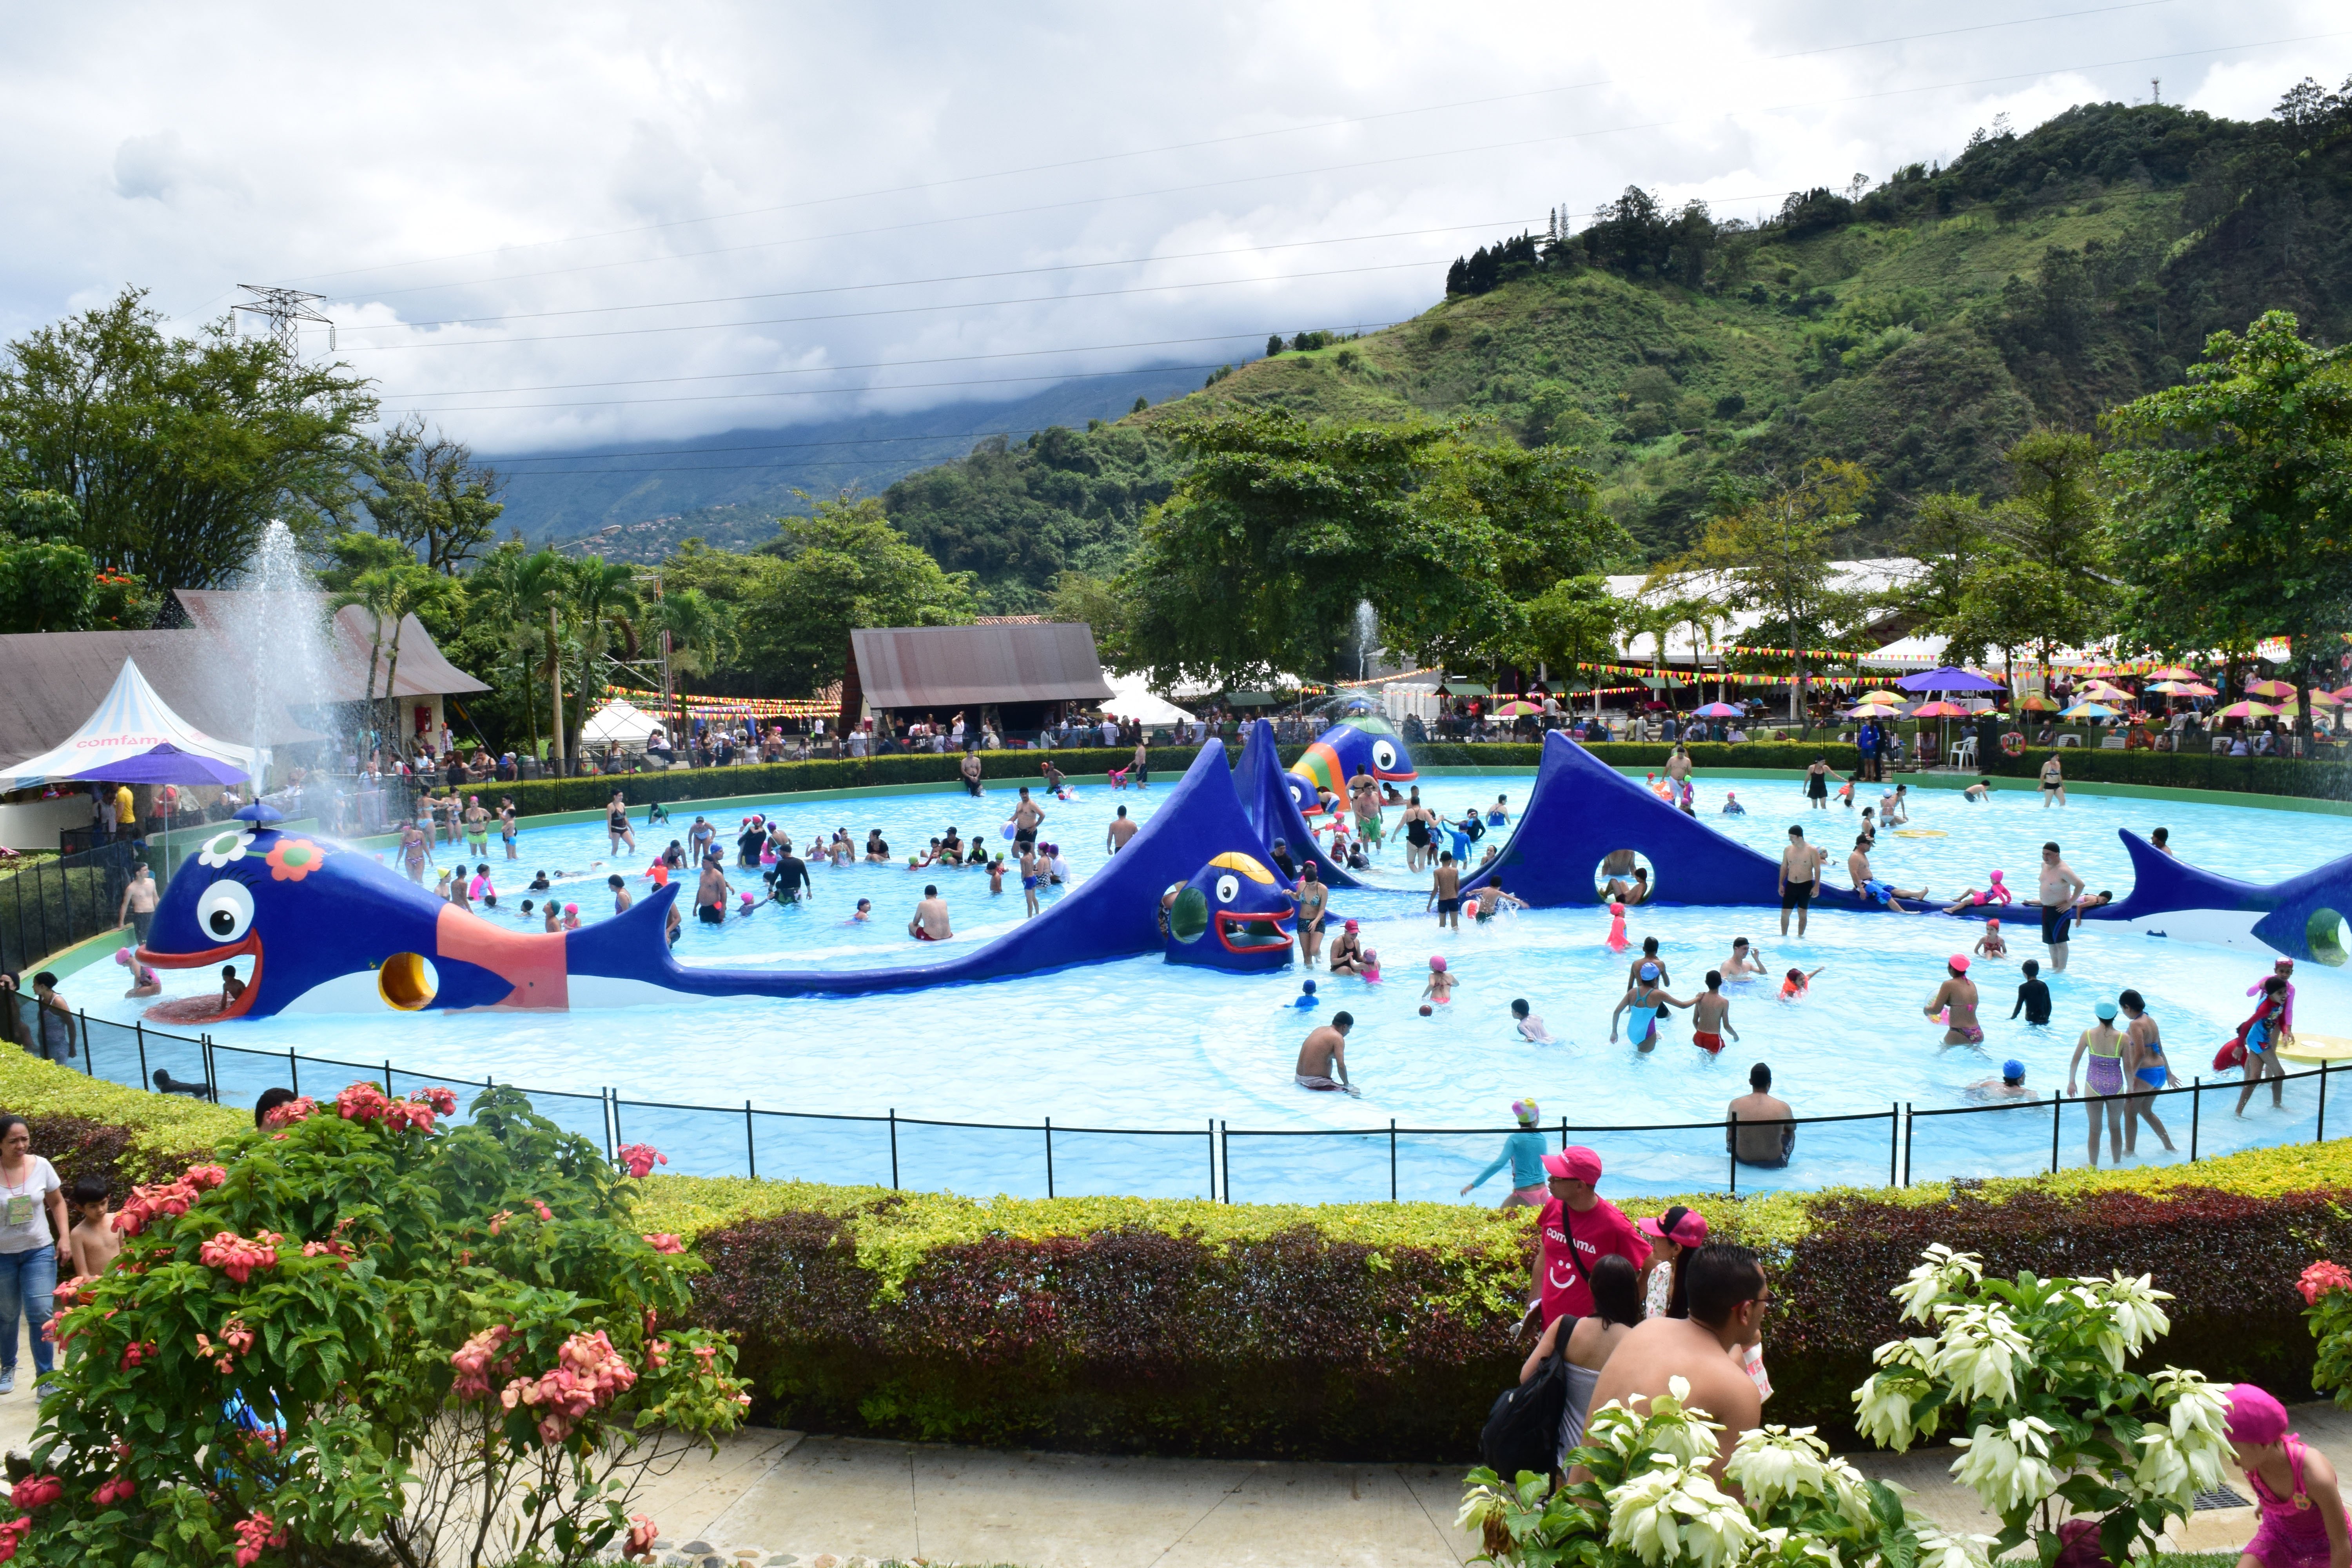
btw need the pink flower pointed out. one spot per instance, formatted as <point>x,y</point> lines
<point>136,1354</point>
<point>300,1109</point>
<point>237,1257</point>
<point>11,1533</point>
<point>203,1178</point>
<point>663,1241</point>
<point>121,1488</point>
<point>498,1220</point>
<point>37,1493</point>
<point>588,1374</point>
<point>642,1535</point>
<point>360,1102</point>
<point>340,1251</point>
<point>2321,1277</point>
<point>443,1100</point>
<point>254,1534</point>
<point>641,1158</point>
<point>544,1212</point>
<point>477,1361</point>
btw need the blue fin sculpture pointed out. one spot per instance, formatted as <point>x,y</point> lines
<point>332,928</point>
<point>1274,810</point>
<point>2299,917</point>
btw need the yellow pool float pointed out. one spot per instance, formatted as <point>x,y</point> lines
<point>1919,833</point>
<point>2317,1048</point>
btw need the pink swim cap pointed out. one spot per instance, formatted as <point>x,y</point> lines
<point>1437,961</point>
<point>2255,1417</point>
<point>1618,910</point>
<point>1996,876</point>
<point>571,909</point>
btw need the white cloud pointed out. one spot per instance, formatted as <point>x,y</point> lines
<point>485,161</point>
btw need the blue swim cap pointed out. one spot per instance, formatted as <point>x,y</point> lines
<point>1649,972</point>
<point>1307,986</point>
<point>2013,1071</point>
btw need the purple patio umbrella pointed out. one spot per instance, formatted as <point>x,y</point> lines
<point>1948,678</point>
<point>166,764</point>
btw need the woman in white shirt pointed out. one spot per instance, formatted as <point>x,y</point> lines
<point>33,1247</point>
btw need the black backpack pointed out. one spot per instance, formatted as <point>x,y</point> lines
<point>1522,1431</point>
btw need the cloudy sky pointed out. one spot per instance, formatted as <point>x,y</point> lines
<point>569,227</point>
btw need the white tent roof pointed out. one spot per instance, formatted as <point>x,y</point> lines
<point>1130,699</point>
<point>131,722</point>
<point>619,720</point>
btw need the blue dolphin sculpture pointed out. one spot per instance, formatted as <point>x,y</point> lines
<point>2301,917</point>
<point>1267,795</point>
<point>331,929</point>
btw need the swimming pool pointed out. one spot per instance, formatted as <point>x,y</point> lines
<point>1205,1058</point>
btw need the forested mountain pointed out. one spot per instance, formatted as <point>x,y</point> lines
<point>1918,329</point>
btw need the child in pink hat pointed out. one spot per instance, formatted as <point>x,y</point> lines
<point>2303,1524</point>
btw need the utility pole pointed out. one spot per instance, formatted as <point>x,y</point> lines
<point>2155,89</point>
<point>286,309</point>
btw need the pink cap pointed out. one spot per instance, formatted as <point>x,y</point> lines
<point>2255,1416</point>
<point>1437,961</point>
<point>1959,962</point>
<point>1577,1164</point>
<point>571,909</point>
<point>1683,1226</point>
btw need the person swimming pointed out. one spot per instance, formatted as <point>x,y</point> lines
<point>1744,960</point>
<point>1440,988</point>
<point>1797,982</point>
<point>863,912</point>
<point>1306,997</point>
<point>1530,1025</point>
<point>1731,806</point>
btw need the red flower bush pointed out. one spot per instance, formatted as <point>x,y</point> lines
<point>35,1493</point>
<point>639,1159</point>
<point>588,1375</point>
<point>2320,1279</point>
<point>11,1533</point>
<point>137,1353</point>
<point>236,1256</point>
<point>120,1488</point>
<point>478,1364</point>
<point>663,1241</point>
<point>254,1534</point>
<point>642,1532</point>
<point>298,1108</point>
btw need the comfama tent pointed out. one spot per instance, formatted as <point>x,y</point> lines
<point>130,724</point>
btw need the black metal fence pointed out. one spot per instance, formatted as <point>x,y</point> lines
<point>55,902</point>
<point>1216,1160</point>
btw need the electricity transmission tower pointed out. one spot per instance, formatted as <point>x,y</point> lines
<point>285,308</point>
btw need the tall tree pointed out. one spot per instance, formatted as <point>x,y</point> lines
<point>602,604</point>
<point>2235,494</point>
<point>390,595</point>
<point>843,567</point>
<point>1572,621</point>
<point>427,491</point>
<point>178,452</point>
<point>698,631</point>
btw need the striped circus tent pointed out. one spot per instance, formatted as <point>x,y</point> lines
<point>130,722</point>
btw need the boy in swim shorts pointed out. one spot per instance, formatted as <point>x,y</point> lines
<point>1711,1015</point>
<point>1445,892</point>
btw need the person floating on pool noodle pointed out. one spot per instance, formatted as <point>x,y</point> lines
<point>1440,988</point>
<point>1642,1004</point>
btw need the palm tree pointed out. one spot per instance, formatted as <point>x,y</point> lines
<point>390,595</point>
<point>529,587</point>
<point>700,629</point>
<point>603,602</point>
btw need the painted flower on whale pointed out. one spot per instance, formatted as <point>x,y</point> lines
<point>291,860</point>
<point>222,847</point>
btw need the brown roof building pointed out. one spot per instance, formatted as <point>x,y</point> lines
<point>1021,668</point>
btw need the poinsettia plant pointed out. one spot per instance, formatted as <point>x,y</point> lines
<point>366,1323</point>
<point>2037,1374</point>
<point>2326,1287</point>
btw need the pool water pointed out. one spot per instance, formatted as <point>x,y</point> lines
<point>1144,1045</point>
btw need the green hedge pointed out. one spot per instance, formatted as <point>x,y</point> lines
<point>2317,779</point>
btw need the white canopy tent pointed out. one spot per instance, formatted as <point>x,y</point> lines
<point>129,723</point>
<point>622,721</point>
<point>1130,699</point>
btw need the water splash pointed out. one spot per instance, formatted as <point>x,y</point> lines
<point>1368,637</point>
<point>276,620</point>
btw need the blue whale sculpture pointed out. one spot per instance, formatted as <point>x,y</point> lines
<point>2302,917</point>
<point>1267,796</point>
<point>1235,913</point>
<point>328,928</point>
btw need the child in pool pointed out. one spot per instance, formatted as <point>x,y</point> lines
<point>1711,1015</point>
<point>1980,791</point>
<point>1440,988</point>
<point>554,920</point>
<point>863,912</point>
<point>572,917</point>
<point>1991,944</point>
<point>1371,967</point>
<point>1995,892</point>
<point>1798,982</point>
<point>1647,999</point>
<point>1530,1025</point>
<point>2304,1522</point>
<point>996,873</point>
<point>1731,806</point>
<point>1616,939</point>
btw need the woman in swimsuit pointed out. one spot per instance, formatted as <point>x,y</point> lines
<point>617,830</point>
<point>2102,1083</point>
<point>2258,1035</point>
<point>2304,1522</point>
<point>1416,834</point>
<point>2144,1058</point>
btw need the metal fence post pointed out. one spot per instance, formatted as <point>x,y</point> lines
<point>87,1069</point>
<point>1226,1151</point>
<point>1731,1147</point>
<point>2321,1136</point>
<point>293,1071</point>
<point>387,1077</point>
<point>138,1032</point>
<point>212,1068</point>
<point>1049,1156</point>
<point>612,1097</point>
<point>1393,1174</point>
<point>750,1145</point>
<point>2057,1112</point>
<point>1908,1125</point>
<point>894,1148</point>
<point>2195,1105</point>
<point>1212,1159</point>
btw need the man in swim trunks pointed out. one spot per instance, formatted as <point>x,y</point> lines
<point>1678,764</point>
<point>1978,792</point>
<point>970,769</point>
<point>2059,888</point>
<point>1868,888</point>
<point>1033,875</point>
<point>2053,785</point>
<point>1141,766</point>
<point>1800,869</point>
<point>1122,828</point>
<point>1445,892</point>
<point>1763,1128</point>
<point>1711,1015</point>
<point>1313,898</point>
<point>931,922</point>
<point>788,879</point>
<point>1027,815</point>
<point>1744,960</point>
<point>710,893</point>
<point>1323,1056</point>
<point>1957,993</point>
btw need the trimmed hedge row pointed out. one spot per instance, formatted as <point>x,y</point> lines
<point>87,1126</point>
<point>2317,779</point>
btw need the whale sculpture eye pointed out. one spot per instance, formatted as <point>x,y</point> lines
<point>224,912</point>
<point>1384,755</point>
<point>1228,885</point>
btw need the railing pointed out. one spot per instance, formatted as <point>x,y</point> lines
<point>53,903</point>
<point>1218,1162</point>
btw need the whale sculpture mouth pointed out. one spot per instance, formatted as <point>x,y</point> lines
<point>1392,775</point>
<point>1242,932</point>
<point>250,946</point>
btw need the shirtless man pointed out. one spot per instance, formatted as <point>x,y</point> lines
<point>1141,765</point>
<point>1445,892</point>
<point>1959,993</point>
<point>1313,898</point>
<point>1678,766</point>
<point>1027,815</point>
<point>709,894</point>
<point>1799,869</point>
<point>1122,828</point>
<point>2060,888</point>
<point>1711,1015</point>
<point>138,898</point>
<point>1728,1296</point>
<point>1868,887</point>
<point>1744,960</point>
<point>1323,1056</point>
<point>931,922</point>
<point>1364,798</point>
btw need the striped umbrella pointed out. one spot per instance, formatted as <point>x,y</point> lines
<point>2268,688</point>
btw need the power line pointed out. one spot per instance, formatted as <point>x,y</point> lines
<point>815,391</point>
<point>1335,123</point>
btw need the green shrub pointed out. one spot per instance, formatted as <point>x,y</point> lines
<point>88,1126</point>
<point>2316,779</point>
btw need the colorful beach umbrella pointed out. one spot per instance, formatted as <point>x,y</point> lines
<point>2106,691</point>
<point>1872,711</point>
<point>1940,710</point>
<point>2268,688</point>
<point>2037,703</point>
<point>2088,710</point>
<point>2172,672</point>
<point>1718,710</point>
<point>1515,708</point>
<point>2247,710</point>
<point>2325,699</point>
<point>1948,678</point>
<point>1883,695</point>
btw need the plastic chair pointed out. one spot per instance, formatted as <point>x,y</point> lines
<point>2111,743</point>
<point>2070,740</point>
<point>1964,752</point>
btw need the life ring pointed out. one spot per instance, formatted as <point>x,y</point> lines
<point>2014,743</point>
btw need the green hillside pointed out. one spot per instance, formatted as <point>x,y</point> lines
<point>1918,331</point>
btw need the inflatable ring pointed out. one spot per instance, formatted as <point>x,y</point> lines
<point>1919,833</point>
<point>2014,743</point>
<point>2317,1048</point>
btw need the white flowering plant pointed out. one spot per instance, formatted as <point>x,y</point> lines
<point>1648,1499</point>
<point>2035,1377</point>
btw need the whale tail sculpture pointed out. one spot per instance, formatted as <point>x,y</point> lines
<point>1266,796</point>
<point>2302,917</point>
<point>328,928</point>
